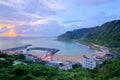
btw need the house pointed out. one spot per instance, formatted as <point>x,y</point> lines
<point>2,58</point>
<point>47,58</point>
<point>55,63</point>
<point>14,52</point>
<point>74,62</point>
<point>67,67</point>
<point>111,55</point>
<point>18,62</point>
<point>92,62</point>
<point>33,57</point>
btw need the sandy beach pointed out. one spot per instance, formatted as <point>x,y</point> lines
<point>78,58</point>
<point>66,58</point>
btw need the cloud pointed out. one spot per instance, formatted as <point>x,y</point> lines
<point>13,3</point>
<point>52,28</point>
<point>52,17</point>
<point>37,22</point>
<point>88,3</point>
<point>18,13</point>
<point>53,4</point>
<point>3,29</point>
<point>28,10</point>
<point>98,19</point>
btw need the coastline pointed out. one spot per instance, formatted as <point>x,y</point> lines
<point>67,58</point>
<point>90,45</point>
<point>78,57</point>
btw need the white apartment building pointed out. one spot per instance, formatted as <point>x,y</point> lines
<point>92,62</point>
<point>89,63</point>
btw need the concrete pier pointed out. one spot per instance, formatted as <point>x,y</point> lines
<point>17,48</point>
<point>43,49</point>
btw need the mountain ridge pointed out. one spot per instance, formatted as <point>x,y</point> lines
<point>108,34</point>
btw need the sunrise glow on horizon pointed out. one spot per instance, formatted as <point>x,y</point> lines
<point>12,33</point>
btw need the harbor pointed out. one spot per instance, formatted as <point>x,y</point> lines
<point>47,55</point>
<point>35,54</point>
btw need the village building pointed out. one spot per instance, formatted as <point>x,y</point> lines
<point>16,62</point>
<point>92,62</point>
<point>111,55</point>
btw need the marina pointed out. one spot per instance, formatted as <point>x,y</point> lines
<point>30,52</point>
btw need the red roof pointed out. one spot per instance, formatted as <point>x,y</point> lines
<point>35,55</point>
<point>47,58</point>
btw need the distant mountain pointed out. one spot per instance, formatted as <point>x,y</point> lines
<point>107,34</point>
<point>75,34</point>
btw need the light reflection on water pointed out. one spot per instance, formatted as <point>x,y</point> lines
<point>64,47</point>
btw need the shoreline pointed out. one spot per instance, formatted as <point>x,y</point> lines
<point>90,45</point>
<point>67,58</point>
<point>78,57</point>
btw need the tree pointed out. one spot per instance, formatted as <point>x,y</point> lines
<point>21,56</point>
<point>28,77</point>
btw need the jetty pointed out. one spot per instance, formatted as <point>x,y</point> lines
<point>17,48</point>
<point>44,49</point>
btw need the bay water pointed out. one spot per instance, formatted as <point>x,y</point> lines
<point>66,48</point>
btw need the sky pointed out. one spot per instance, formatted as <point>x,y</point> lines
<point>54,17</point>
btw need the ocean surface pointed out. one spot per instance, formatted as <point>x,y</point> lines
<point>67,48</point>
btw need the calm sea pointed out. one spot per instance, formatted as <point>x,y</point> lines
<point>48,42</point>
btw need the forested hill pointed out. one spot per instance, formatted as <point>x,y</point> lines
<point>107,34</point>
<point>75,34</point>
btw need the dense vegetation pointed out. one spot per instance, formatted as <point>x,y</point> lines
<point>75,34</point>
<point>107,34</point>
<point>34,71</point>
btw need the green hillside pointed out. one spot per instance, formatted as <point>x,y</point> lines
<point>38,71</point>
<point>75,34</point>
<point>107,34</point>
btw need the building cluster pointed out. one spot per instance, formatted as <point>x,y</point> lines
<point>44,56</point>
<point>89,62</point>
<point>95,60</point>
<point>38,58</point>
